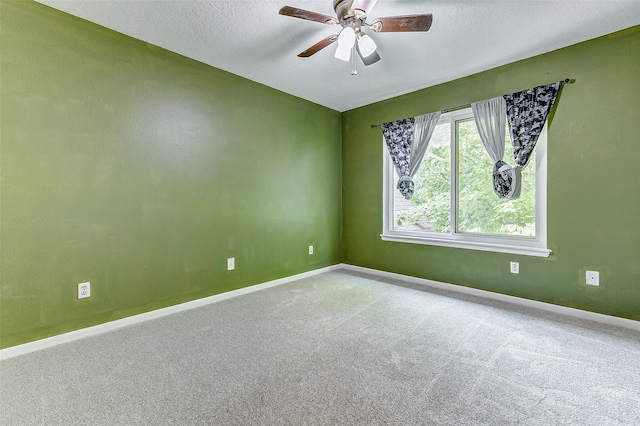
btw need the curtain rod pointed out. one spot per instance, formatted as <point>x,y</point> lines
<point>459,107</point>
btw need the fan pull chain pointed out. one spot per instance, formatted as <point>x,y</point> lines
<point>353,61</point>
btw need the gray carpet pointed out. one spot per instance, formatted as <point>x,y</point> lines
<point>337,348</point>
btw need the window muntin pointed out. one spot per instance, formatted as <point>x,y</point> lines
<point>454,203</point>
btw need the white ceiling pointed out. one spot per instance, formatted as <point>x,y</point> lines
<point>249,38</point>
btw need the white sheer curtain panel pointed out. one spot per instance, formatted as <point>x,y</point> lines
<point>491,120</point>
<point>422,131</point>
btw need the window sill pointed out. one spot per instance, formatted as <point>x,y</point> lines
<point>471,245</point>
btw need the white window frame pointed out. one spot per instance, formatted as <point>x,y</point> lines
<point>530,246</point>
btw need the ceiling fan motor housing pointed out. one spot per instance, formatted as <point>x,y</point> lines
<point>343,9</point>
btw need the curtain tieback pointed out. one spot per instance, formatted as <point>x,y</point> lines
<point>504,170</point>
<point>406,186</point>
<point>506,180</point>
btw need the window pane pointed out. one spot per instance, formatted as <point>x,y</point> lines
<point>480,211</point>
<point>454,204</point>
<point>430,207</point>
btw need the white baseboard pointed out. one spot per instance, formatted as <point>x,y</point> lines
<point>48,342</point>
<point>563,310</point>
<point>135,319</point>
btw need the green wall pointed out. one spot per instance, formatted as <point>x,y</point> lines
<point>141,171</point>
<point>593,181</point>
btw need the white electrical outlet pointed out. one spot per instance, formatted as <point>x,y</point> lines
<point>593,278</point>
<point>310,249</point>
<point>515,267</point>
<point>84,290</point>
<point>231,264</point>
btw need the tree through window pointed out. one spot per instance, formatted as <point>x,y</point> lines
<point>454,200</point>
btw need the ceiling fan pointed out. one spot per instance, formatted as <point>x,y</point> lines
<point>352,16</point>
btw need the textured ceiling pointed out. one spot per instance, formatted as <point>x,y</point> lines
<point>250,39</point>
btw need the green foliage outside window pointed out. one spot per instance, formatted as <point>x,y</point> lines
<point>479,210</point>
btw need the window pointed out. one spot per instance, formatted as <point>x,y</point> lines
<point>454,204</point>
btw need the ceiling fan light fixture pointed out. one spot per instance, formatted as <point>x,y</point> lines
<point>346,41</point>
<point>351,15</point>
<point>366,45</point>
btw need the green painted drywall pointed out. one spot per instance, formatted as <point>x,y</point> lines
<point>141,171</point>
<point>593,181</point>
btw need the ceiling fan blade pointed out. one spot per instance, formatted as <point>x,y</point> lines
<point>365,5</point>
<point>371,59</point>
<point>318,46</point>
<point>402,23</point>
<point>308,15</point>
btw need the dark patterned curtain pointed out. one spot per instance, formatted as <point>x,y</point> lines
<point>527,111</point>
<point>398,136</point>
